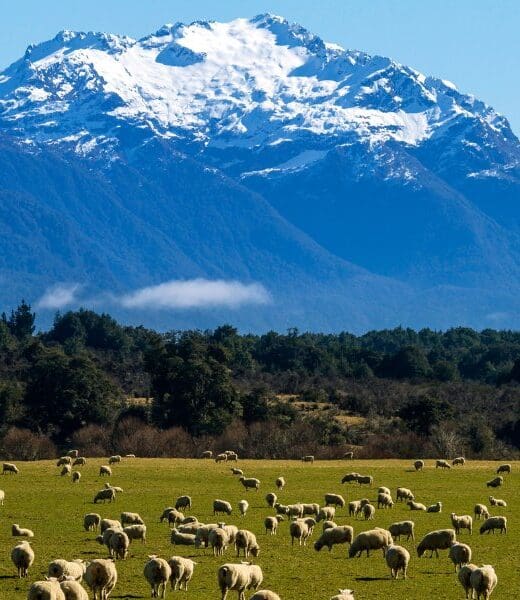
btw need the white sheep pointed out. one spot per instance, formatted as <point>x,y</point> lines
<point>441,539</point>
<point>397,559</point>
<point>218,540</point>
<point>504,469</point>
<point>250,483</point>
<point>221,506</point>
<point>118,544</point>
<point>416,505</point>
<point>76,476</point>
<point>232,456</point>
<point>246,540</point>
<point>334,500</point>
<point>189,527</point>
<point>344,595</point>
<point>382,489</point>
<point>265,595</point>
<point>239,577</point>
<point>207,454</point>
<point>459,460</point>
<point>172,516</point>
<point>310,508</point>
<point>464,576</point>
<point>326,513</point>
<point>10,468</point>
<point>462,522</point>
<point>64,460</point>
<point>182,572</point>
<point>2,497</point>
<point>91,521</point>
<point>116,489</point>
<point>73,590</point>
<point>301,530</point>
<point>492,523</point>
<point>65,470</point>
<point>104,538</point>
<point>114,459</point>
<point>136,532</point>
<point>442,464</point>
<point>46,590</point>
<point>271,524</point>
<point>328,525</point>
<point>104,495</point>
<point>343,534</point>
<point>18,531</point>
<point>63,568</point>
<point>373,539</point>
<point>294,510</point>
<point>271,499</point>
<point>109,523</point>
<point>105,470</point>
<point>243,506</point>
<point>402,528</point>
<point>22,556</point>
<point>495,482</point>
<point>483,581</point>
<point>349,455</point>
<point>418,465</point>
<point>80,461</point>
<point>384,500</point>
<point>435,508</point>
<point>129,518</point>
<point>101,577</point>
<point>350,477</point>
<point>157,572</point>
<point>280,483</point>
<point>235,471</point>
<point>403,493</point>
<point>221,457</point>
<point>481,511</point>
<point>202,534</point>
<point>73,453</point>
<point>368,511</point>
<point>182,539</point>
<point>497,502</point>
<point>459,554</point>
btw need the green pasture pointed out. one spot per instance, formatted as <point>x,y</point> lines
<point>53,507</point>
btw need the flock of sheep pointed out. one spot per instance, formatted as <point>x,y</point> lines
<point>66,578</point>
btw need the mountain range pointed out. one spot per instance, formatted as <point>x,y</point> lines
<point>250,172</point>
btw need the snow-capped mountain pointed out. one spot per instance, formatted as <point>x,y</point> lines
<point>375,164</point>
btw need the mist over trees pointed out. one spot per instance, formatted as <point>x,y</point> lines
<point>105,387</point>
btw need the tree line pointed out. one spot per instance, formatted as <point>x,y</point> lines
<point>395,392</point>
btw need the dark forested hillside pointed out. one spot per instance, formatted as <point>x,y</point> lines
<point>104,387</point>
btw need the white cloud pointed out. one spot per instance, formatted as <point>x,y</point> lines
<point>196,293</point>
<point>59,296</point>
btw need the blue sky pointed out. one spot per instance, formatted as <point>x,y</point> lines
<point>474,43</point>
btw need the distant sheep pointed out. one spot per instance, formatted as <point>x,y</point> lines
<point>104,495</point>
<point>416,505</point>
<point>2,497</point>
<point>271,499</point>
<point>418,465</point>
<point>373,539</point>
<point>239,577</point>
<point>328,525</point>
<point>459,554</point>
<point>22,556</point>
<point>182,539</point>
<point>308,458</point>
<point>496,482</point>
<point>157,572</point>
<point>460,460</point>
<point>350,478</point>
<point>397,559</point>
<point>365,480</point>
<point>73,453</point>
<point>483,581</point>
<point>504,469</point>
<point>384,490</point>
<point>493,523</point>
<point>348,455</point>
<point>497,502</point>
<point>404,494</point>
<point>207,454</point>
<point>235,471</point>
<point>481,511</point>
<point>343,534</point>
<point>310,508</point>
<point>461,522</point>
<point>280,483</point>
<point>334,500</point>
<point>435,508</point>
<point>463,576</point>
<point>243,506</point>
<point>109,523</point>
<point>76,476</point>
<point>91,521</point>
<point>105,470</point>
<point>221,458</point>
<point>271,524</point>
<point>326,513</point>
<point>182,572</point>
<point>344,595</point>
<point>384,501</point>
<point>80,461</point>
<point>136,532</point>
<point>118,544</point>
<point>442,464</point>
<point>246,540</point>
<point>221,506</point>
<point>300,530</point>
<point>183,502</point>
<point>402,528</point>
<point>46,590</point>
<point>65,470</point>
<point>441,539</point>
<point>130,518</point>
<point>294,510</point>
<point>64,460</point>
<point>202,534</point>
<point>114,459</point>
<point>101,577</point>
<point>10,468</point>
<point>250,483</point>
<point>64,568</point>
<point>232,456</point>
<point>368,511</point>
<point>18,531</point>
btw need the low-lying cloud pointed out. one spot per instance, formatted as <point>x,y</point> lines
<point>196,293</point>
<point>59,296</point>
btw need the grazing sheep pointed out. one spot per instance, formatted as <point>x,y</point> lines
<point>344,595</point>
<point>492,523</point>
<point>65,470</point>
<point>239,577</point>
<point>280,483</point>
<point>157,572</point>
<point>271,499</point>
<point>73,590</point>
<point>105,470</point>
<point>246,540</point>
<point>73,453</point>
<point>189,527</point>
<point>385,501</point>
<point>76,476</point>
<point>104,495</point>
<point>334,500</point>
<point>300,530</point>
<point>349,455</point>
<point>10,468</point>
<point>350,478</point>
<point>18,531</point>
<point>384,490</point>
<point>235,471</point>
<point>80,461</point>
<point>174,517</point>
<point>308,458</point>
<point>497,502</point>
<point>101,577</point>
<point>91,521</point>
<point>504,469</point>
<point>114,459</point>
<point>373,539</point>
<point>294,510</point>
<point>22,556</point>
<point>365,480</point>
<point>310,508</point>
<point>207,454</point>
<point>402,528</point>
<point>63,568</point>
<point>202,534</point>
<point>136,532</point>
<point>182,503</point>
<point>63,461</point>
<point>104,538</point>
<point>243,505</point>
<point>397,559</point>
<point>232,456</point>
<point>354,508</point>
<point>418,465</point>
<point>221,506</point>
<point>264,595</point>
<point>328,525</point>
<point>463,576</point>
<point>343,534</point>
<point>167,511</point>
<point>460,460</point>
<point>281,509</point>
<point>496,482</point>
<point>221,457</point>
<point>250,482</point>
<point>2,497</point>
<point>109,523</point>
<point>368,511</point>
<point>462,522</point>
<point>441,539</point>
<point>116,489</point>
<point>46,590</point>
<point>443,464</point>
<point>182,539</point>
<point>483,581</point>
<point>326,513</point>
<point>435,508</point>
<point>459,554</point>
<point>403,493</point>
<point>130,518</point>
<point>118,544</point>
<point>271,524</point>
<point>416,505</point>
<point>481,510</point>
<point>182,572</point>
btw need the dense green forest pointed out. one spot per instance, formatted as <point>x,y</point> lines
<point>92,383</point>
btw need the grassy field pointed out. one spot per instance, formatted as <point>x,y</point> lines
<point>53,508</point>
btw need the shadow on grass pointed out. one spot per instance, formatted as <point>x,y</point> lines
<point>371,578</point>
